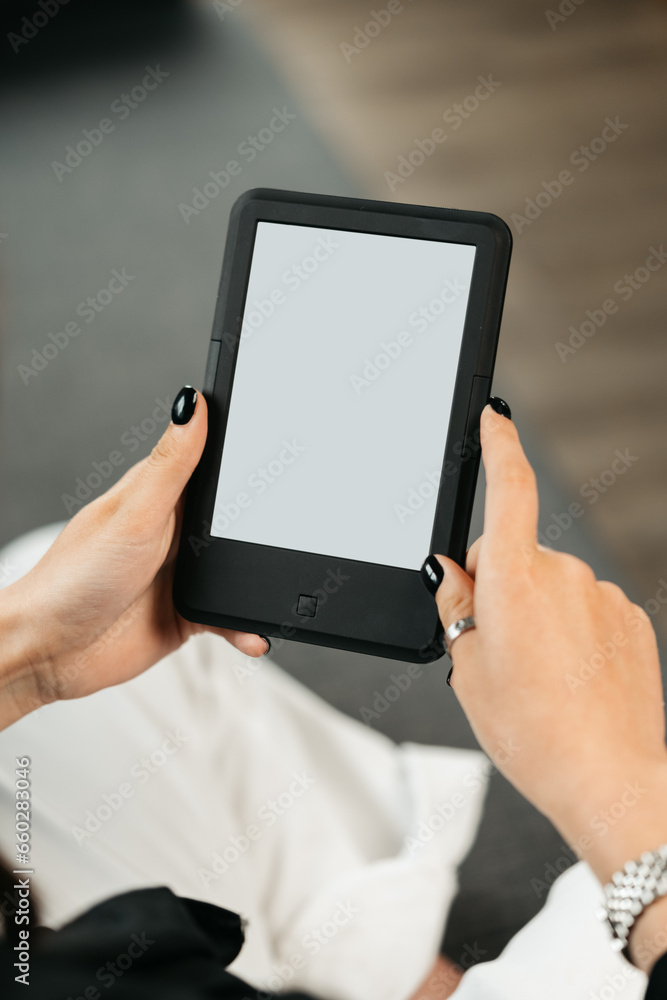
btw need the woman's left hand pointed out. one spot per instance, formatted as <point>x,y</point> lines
<point>97,609</point>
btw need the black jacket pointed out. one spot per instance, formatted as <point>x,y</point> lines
<point>149,943</point>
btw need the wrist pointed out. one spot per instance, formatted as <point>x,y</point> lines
<point>648,937</point>
<point>623,816</point>
<point>21,658</point>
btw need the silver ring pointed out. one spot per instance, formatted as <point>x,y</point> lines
<point>457,629</point>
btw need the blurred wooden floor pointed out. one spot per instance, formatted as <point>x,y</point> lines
<point>555,84</point>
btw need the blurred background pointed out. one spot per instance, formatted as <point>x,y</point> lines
<point>116,115</point>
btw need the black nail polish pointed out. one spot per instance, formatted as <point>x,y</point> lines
<point>501,407</point>
<point>184,405</point>
<point>268,644</point>
<point>432,574</point>
<point>449,676</point>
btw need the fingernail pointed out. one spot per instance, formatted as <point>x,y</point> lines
<point>184,405</point>
<point>449,676</point>
<point>500,406</point>
<point>268,644</point>
<point>432,574</point>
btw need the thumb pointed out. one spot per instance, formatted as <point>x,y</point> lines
<point>454,595</point>
<point>162,477</point>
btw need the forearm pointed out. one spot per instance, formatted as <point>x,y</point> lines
<point>625,816</point>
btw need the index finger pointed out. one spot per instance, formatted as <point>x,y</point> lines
<point>511,507</point>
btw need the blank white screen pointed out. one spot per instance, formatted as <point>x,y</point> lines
<point>342,393</point>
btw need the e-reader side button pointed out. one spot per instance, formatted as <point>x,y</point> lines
<point>306,606</point>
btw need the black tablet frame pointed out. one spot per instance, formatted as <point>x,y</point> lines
<point>363,607</point>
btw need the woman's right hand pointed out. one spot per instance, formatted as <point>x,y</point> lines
<point>560,679</point>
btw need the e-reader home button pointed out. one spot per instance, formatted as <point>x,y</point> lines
<point>306,606</point>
